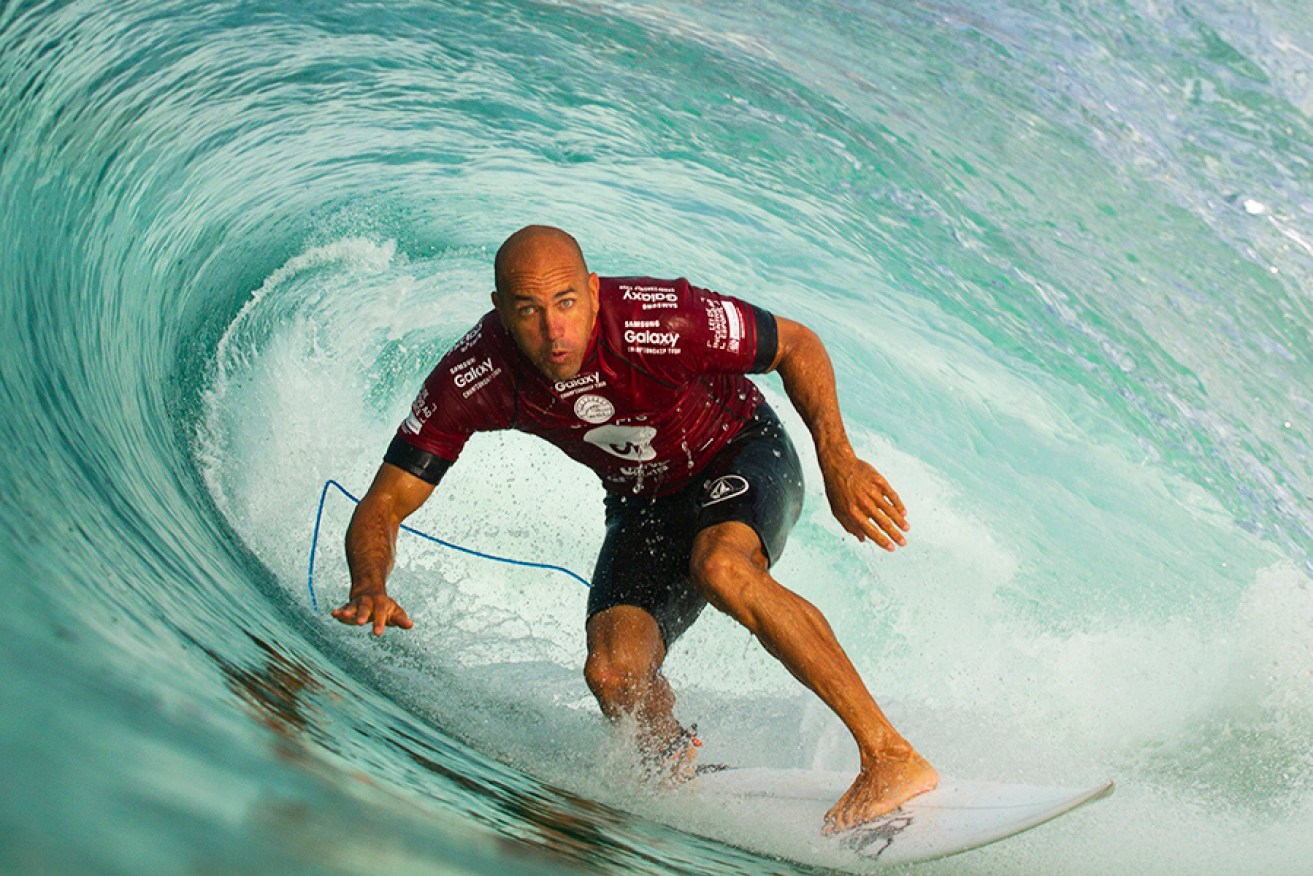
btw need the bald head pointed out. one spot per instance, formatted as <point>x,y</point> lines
<point>531,247</point>
<point>546,298</point>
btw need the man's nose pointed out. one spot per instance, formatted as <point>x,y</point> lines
<point>554,325</point>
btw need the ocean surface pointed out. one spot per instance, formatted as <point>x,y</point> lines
<point>1061,253</point>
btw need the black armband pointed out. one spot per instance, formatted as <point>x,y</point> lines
<point>422,464</point>
<point>768,340</point>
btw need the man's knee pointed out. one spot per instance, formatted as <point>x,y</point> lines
<point>729,568</point>
<point>624,652</point>
<point>609,674</point>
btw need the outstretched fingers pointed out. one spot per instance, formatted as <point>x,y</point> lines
<point>380,609</point>
<point>889,497</point>
<point>884,521</point>
<point>867,506</point>
<point>391,615</point>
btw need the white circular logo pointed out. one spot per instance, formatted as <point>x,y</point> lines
<point>593,409</point>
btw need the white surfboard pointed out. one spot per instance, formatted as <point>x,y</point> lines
<point>781,811</point>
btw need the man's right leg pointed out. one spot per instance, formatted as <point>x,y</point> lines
<point>730,567</point>
<point>623,670</point>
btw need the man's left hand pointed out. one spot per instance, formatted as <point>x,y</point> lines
<point>864,503</point>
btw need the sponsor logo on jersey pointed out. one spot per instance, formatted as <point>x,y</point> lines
<point>472,375</point>
<point>651,297</point>
<point>593,409</point>
<point>470,371</point>
<point>627,442</point>
<point>420,410</point>
<point>726,487</point>
<point>642,323</point>
<point>646,470</point>
<point>471,338</point>
<point>649,338</point>
<point>576,385</point>
<point>727,325</point>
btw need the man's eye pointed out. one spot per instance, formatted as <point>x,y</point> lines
<point>567,303</point>
<point>527,311</point>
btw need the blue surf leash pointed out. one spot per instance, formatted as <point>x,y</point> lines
<point>319,516</point>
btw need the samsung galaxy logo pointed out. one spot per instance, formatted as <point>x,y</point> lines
<point>473,373</point>
<point>658,295</point>
<point>583,380</point>
<point>655,339</point>
<point>474,376</point>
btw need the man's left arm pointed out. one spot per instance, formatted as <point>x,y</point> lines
<point>860,497</point>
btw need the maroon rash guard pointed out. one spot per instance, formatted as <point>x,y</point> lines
<point>661,390</point>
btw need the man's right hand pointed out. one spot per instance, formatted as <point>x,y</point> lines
<point>380,608</point>
<point>371,542</point>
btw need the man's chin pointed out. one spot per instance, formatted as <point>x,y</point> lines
<point>559,370</point>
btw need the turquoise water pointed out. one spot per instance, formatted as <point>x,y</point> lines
<point>1062,256</point>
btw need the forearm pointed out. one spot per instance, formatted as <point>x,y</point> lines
<point>860,497</point>
<point>808,375</point>
<point>371,538</point>
<point>371,547</point>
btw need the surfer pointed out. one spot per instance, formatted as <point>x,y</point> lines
<point>643,381</point>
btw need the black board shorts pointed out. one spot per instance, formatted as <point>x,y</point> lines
<point>756,479</point>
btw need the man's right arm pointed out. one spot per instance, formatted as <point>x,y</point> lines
<point>371,542</point>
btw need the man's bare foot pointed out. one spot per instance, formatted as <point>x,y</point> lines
<point>676,762</point>
<point>881,788</point>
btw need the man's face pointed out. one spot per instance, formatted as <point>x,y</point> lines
<point>549,305</point>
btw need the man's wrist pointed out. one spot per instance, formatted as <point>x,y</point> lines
<point>836,454</point>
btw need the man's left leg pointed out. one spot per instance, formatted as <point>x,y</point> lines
<point>623,670</point>
<point>640,602</point>
<point>731,570</point>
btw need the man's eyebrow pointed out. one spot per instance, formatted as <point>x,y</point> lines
<point>522,296</point>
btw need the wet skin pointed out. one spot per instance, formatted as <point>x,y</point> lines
<point>548,301</point>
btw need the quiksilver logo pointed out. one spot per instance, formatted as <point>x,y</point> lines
<point>725,487</point>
